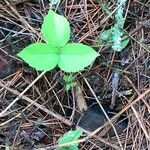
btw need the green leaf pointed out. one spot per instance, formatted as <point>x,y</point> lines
<point>124,43</point>
<point>116,35</point>
<point>70,136</point>
<point>68,78</point>
<point>117,29</point>
<point>40,56</point>
<point>56,29</point>
<point>69,86</point>
<point>69,82</point>
<point>106,37</point>
<point>75,57</point>
<point>113,37</point>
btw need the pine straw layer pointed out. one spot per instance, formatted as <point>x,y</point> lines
<point>26,125</point>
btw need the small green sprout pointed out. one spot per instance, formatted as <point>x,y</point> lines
<point>70,136</point>
<point>69,57</point>
<point>69,82</point>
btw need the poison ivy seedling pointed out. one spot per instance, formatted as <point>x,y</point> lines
<point>70,136</point>
<point>70,57</point>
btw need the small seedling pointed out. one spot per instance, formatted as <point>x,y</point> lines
<point>70,136</point>
<point>113,36</point>
<point>69,57</point>
<point>69,82</point>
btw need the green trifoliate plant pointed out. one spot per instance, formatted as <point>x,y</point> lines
<point>69,57</point>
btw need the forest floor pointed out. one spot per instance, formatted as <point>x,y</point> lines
<point>35,108</point>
